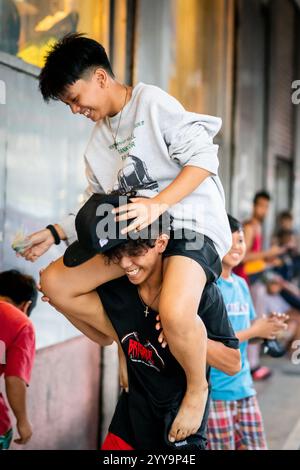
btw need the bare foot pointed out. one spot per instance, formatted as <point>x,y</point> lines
<point>189,416</point>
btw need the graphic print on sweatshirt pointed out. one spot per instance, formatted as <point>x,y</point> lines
<point>144,352</point>
<point>135,176</point>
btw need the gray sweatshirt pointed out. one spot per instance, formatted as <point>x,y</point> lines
<point>157,137</point>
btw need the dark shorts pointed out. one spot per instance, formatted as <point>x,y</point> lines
<point>197,247</point>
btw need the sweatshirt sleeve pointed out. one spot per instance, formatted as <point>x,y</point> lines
<point>190,141</point>
<point>68,222</point>
<point>188,136</point>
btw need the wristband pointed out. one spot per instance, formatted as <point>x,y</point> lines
<point>54,234</point>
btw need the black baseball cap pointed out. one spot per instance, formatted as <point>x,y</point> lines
<point>97,231</point>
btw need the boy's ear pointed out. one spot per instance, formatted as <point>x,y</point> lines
<point>24,306</point>
<point>162,242</point>
<point>101,77</point>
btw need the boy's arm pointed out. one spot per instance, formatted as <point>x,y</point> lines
<point>274,251</point>
<point>16,395</point>
<point>90,332</point>
<point>221,357</point>
<point>184,184</point>
<point>246,335</point>
<point>264,328</point>
<point>146,211</point>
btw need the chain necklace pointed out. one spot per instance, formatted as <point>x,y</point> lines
<point>146,307</point>
<point>114,136</point>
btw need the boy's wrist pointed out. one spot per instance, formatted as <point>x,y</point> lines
<point>163,205</point>
<point>253,332</point>
<point>60,232</point>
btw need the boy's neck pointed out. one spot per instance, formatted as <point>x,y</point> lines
<point>6,299</point>
<point>154,282</point>
<point>226,272</point>
<point>118,94</point>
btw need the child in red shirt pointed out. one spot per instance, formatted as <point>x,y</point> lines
<point>18,294</point>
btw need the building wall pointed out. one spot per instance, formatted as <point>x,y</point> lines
<point>296,111</point>
<point>264,132</point>
<point>249,109</point>
<point>41,176</point>
<point>280,133</point>
<point>63,397</point>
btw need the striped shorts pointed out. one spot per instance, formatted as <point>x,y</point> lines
<point>235,425</point>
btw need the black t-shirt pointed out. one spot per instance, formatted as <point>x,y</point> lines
<point>157,382</point>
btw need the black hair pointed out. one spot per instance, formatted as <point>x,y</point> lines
<point>19,288</point>
<point>261,195</point>
<point>235,225</point>
<point>131,248</point>
<point>68,61</point>
<point>285,215</point>
<point>147,236</point>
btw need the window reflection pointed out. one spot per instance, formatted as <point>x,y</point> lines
<point>29,27</point>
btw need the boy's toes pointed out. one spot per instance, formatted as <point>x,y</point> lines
<point>181,435</point>
<point>173,432</point>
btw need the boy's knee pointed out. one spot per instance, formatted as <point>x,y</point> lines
<point>179,319</point>
<point>50,282</point>
<point>175,318</point>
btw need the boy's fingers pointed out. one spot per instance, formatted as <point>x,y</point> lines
<point>124,208</point>
<point>126,216</point>
<point>142,226</point>
<point>134,225</point>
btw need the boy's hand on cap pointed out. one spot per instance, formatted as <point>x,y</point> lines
<point>144,211</point>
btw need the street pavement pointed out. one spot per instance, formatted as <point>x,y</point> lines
<point>279,399</point>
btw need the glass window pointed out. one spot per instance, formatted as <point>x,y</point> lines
<point>29,27</point>
<point>199,50</point>
<point>185,48</point>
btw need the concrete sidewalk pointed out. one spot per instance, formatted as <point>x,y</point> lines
<point>279,399</point>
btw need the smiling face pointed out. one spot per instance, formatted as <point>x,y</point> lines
<point>90,95</point>
<point>147,262</point>
<point>237,251</point>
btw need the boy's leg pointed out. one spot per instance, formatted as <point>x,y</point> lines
<point>251,425</point>
<point>220,426</point>
<point>183,282</point>
<point>71,290</point>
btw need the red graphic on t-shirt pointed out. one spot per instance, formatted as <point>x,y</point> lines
<point>138,351</point>
<point>145,353</point>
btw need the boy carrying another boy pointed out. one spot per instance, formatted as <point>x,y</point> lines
<point>143,141</point>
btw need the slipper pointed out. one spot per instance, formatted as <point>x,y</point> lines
<point>261,373</point>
